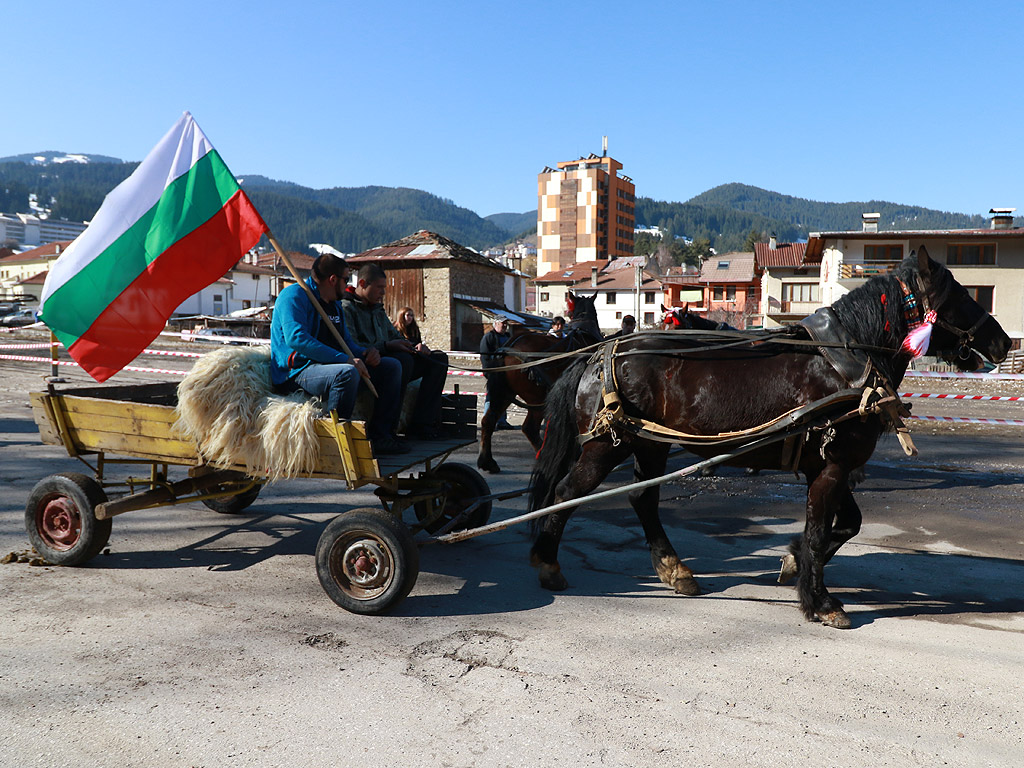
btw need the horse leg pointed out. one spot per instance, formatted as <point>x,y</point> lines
<point>599,457</point>
<point>824,499</point>
<point>845,527</point>
<point>650,463</point>
<point>531,426</point>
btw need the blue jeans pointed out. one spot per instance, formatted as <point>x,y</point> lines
<point>336,385</point>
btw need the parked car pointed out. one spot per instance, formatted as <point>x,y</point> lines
<point>217,336</point>
<point>20,317</point>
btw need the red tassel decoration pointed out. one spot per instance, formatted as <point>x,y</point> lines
<point>919,338</point>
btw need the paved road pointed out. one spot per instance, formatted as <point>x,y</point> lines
<point>203,640</point>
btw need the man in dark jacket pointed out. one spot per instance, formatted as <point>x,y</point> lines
<point>305,355</point>
<point>368,323</point>
<point>493,340</point>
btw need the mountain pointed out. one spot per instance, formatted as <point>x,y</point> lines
<point>350,218</point>
<point>53,157</point>
<point>518,223</point>
<point>727,214</point>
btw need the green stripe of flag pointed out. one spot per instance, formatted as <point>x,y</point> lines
<point>186,204</point>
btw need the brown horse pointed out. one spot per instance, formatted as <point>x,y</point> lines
<point>529,386</point>
<point>674,382</point>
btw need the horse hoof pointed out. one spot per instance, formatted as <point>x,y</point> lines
<point>836,619</point>
<point>788,570</point>
<point>552,578</point>
<point>686,586</point>
<point>491,466</point>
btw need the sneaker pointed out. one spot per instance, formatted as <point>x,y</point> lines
<point>390,446</point>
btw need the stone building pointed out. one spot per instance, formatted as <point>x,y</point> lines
<point>451,288</point>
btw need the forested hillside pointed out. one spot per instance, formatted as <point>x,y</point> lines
<point>350,219</point>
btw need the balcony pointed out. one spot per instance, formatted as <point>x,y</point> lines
<point>789,309</point>
<point>857,273</point>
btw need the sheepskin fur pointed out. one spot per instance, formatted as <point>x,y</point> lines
<point>227,406</point>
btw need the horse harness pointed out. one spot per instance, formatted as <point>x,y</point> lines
<point>869,389</point>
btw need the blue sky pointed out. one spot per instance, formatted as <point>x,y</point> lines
<point>917,103</point>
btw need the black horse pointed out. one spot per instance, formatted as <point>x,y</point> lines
<point>682,319</point>
<point>529,386</point>
<point>724,390</point>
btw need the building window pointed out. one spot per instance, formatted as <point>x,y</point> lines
<point>718,293</point>
<point>648,298</point>
<point>618,315</point>
<point>648,318</point>
<point>610,297</point>
<point>730,293</point>
<point>981,294</point>
<point>545,296</point>
<point>883,253</point>
<point>800,292</point>
<point>246,304</point>
<point>966,253</point>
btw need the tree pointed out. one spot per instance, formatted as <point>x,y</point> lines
<point>754,236</point>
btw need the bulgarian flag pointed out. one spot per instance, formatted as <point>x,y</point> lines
<point>177,224</point>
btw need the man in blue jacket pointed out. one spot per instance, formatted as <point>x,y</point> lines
<point>305,355</point>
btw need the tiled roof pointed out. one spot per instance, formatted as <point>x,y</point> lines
<point>36,279</point>
<point>42,253</point>
<point>736,268</point>
<point>783,255</point>
<point>425,246</point>
<point>620,280</point>
<point>572,274</point>
<point>272,261</point>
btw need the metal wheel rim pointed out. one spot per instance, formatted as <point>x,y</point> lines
<point>362,565</point>
<point>58,522</point>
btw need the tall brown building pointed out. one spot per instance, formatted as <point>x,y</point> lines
<point>584,212</point>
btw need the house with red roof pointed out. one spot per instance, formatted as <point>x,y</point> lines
<point>789,279</point>
<point>732,289</point>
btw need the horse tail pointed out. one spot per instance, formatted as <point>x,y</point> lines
<point>560,448</point>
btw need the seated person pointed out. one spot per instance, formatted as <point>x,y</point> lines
<point>628,327</point>
<point>408,327</point>
<point>305,355</point>
<point>557,327</point>
<point>369,324</point>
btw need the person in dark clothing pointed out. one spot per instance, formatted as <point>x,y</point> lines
<point>557,327</point>
<point>493,340</point>
<point>628,327</point>
<point>369,325</point>
<point>305,355</point>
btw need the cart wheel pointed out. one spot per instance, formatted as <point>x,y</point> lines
<point>367,561</point>
<point>465,485</point>
<point>60,518</point>
<point>232,505</point>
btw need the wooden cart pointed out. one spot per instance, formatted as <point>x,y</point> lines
<point>366,559</point>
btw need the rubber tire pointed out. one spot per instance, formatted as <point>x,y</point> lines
<point>467,485</point>
<point>232,505</point>
<point>394,541</point>
<point>76,496</point>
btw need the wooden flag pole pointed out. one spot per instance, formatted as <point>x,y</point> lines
<point>316,304</point>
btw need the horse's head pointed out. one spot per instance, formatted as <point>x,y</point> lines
<point>962,327</point>
<point>582,313</point>
<point>676,318</point>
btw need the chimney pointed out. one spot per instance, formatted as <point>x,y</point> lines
<point>1002,218</point>
<point>604,146</point>
<point>869,221</point>
<point>772,242</point>
<point>593,277</point>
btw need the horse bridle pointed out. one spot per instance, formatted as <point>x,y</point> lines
<point>964,337</point>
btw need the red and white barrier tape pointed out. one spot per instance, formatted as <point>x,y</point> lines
<point>72,363</point>
<point>36,345</point>
<point>960,375</point>
<point>962,397</point>
<point>465,373</point>
<point>970,420</point>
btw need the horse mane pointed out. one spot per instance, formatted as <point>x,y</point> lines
<point>873,312</point>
